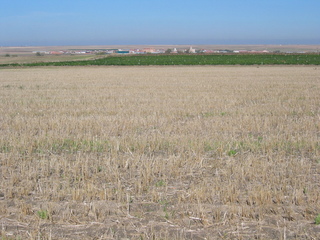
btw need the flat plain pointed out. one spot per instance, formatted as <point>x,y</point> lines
<point>188,152</point>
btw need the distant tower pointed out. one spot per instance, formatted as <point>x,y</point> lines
<point>174,50</point>
<point>191,50</point>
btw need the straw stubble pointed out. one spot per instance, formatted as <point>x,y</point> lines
<point>203,148</point>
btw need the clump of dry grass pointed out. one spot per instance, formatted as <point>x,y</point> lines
<point>166,152</point>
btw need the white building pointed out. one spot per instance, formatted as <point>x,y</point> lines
<point>191,50</point>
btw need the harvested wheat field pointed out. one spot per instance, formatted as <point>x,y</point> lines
<point>205,152</point>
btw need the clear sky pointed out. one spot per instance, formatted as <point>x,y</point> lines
<point>152,22</point>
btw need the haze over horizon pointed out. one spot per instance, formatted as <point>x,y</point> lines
<point>159,22</point>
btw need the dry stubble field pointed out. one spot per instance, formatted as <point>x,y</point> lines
<point>160,152</point>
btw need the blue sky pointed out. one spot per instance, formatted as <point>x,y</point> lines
<point>152,22</point>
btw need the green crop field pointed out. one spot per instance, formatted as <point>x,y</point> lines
<point>216,59</point>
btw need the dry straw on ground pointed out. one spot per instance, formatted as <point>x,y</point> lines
<point>160,152</point>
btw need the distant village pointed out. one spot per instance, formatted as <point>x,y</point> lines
<point>190,50</point>
<point>173,50</point>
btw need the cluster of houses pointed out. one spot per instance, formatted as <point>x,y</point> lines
<point>149,50</point>
<point>104,51</point>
